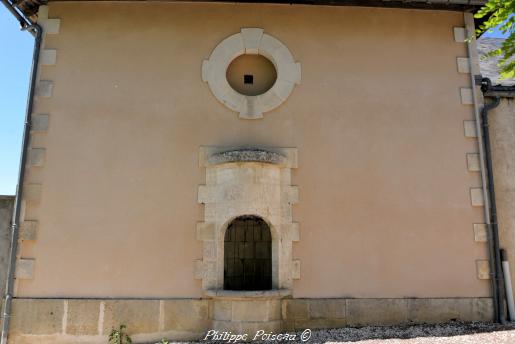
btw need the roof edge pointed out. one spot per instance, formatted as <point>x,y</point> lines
<point>30,7</point>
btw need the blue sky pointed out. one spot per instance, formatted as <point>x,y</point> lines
<point>495,33</point>
<point>15,60</point>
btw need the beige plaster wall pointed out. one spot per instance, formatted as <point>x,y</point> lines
<point>502,136</point>
<point>384,205</point>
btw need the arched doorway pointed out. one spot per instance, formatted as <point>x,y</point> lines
<point>248,254</point>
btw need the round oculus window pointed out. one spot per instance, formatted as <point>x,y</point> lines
<point>251,75</point>
<point>258,80</point>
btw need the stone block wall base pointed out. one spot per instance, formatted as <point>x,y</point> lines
<point>67,321</point>
<point>247,312</point>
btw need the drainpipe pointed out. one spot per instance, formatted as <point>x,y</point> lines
<point>37,31</point>
<point>495,253</point>
<point>25,23</point>
<point>475,79</point>
<point>507,284</point>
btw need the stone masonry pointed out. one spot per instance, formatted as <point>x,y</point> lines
<point>6,210</point>
<point>67,321</point>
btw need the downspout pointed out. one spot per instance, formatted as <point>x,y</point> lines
<point>9,288</point>
<point>508,287</point>
<point>495,253</point>
<point>25,23</point>
<point>484,158</point>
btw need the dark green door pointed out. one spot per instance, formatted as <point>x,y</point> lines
<point>248,255</point>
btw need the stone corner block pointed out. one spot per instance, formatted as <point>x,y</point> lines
<point>48,57</point>
<point>295,269</point>
<point>45,88</point>
<point>29,230</point>
<point>480,232</point>
<point>51,26</point>
<point>82,317</point>
<point>42,12</point>
<point>37,156</point>
<point>25,268</point>
<point>293,230</point>
<point>466,95</point>
<point>32,192</point>
<point>463,65</point>
<point>470,129</point>
<point>473,163</point>
<point>476,197</point>
<point>483,269</point>
<point>292,194</point>
<point>460,34</point>
<point>291,157</point>
<point>39,122</point>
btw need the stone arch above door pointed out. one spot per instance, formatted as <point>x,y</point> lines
<point>247,182</point>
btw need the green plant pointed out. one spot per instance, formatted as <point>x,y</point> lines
<point>163,341</point>
<point>501,14</point>
<point>119,336</point>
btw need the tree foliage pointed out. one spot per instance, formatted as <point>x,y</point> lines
<point>501,13</point>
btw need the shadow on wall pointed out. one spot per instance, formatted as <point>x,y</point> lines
<point>6,211</point>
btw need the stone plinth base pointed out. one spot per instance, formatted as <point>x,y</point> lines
<point>246,312</point>
<point>60,321</point>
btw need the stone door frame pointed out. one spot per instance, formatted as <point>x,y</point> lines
<point>241,181</point>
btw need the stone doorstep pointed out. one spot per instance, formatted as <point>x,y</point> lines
<point>248,295</point>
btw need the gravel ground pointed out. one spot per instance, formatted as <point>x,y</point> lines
<point>455,332</point>
<point>449,333</point>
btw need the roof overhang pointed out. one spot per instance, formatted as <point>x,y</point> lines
<point>30,7</point>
